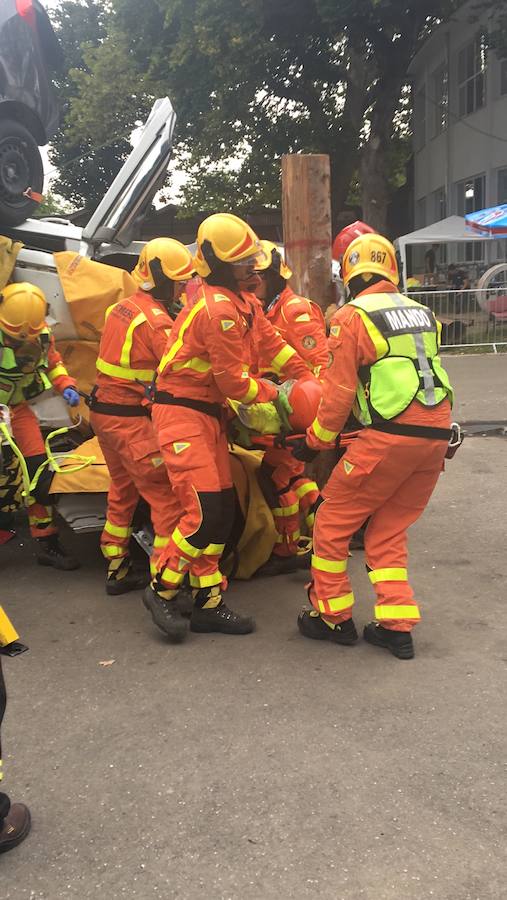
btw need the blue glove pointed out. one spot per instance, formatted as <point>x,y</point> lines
<point>71,396</point>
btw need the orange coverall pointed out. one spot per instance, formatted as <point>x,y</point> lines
<point>215,344</point>
<point>133,341</point>
<point>387,477</point>
<point>28,437</point>
<point>301,323</point>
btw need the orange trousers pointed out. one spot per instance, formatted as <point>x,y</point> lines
<point>27,435</point>
<point>289,493</point>
<point>196,454</point>
<point>137,470</point>
<point>389,479</point>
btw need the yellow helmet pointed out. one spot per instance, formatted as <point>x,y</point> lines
<point>273,259</point>
<point>370,254</point>
<point>224,238</point>
<point>23,308</point>
<point>162,259</point>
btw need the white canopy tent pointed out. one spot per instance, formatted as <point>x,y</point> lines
<point>449,231</point>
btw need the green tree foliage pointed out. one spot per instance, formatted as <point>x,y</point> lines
<point>250,80</point>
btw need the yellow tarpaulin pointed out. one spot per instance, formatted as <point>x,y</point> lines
<point>89,288</point>
<point>258,537</point>
<point>8,255</point>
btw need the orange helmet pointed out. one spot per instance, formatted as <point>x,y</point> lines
<point>370,254</point>
<point>23,308</point>
<point>345,237</point>
<point>304,397</point>
<point>273,259</point>
<point>161,259</point>
<point>224,238</point>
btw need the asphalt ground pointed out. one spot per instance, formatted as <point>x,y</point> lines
<point>267,765</point>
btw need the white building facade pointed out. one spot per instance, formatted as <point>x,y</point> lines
<point>460,128</point>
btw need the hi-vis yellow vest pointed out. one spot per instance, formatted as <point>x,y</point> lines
<point>406,336</point>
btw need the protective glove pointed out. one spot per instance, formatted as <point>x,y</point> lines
<point>300,450</point>
<point>71,396</point>
<point>284,409</point>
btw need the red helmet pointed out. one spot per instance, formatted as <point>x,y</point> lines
<point>304,397</point>
<point>345,237</point>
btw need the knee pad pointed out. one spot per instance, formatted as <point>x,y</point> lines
<point>217,509</point>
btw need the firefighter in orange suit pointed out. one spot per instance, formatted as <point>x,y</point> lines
<point>132,344</point>
<point>30,365</point>
<point>301,323</point>
<point>213,344</point>
<point>385,362</point>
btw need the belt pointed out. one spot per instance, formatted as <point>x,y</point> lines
<point>417,431</point>
<point>208,409</point>
<point>118,409</point>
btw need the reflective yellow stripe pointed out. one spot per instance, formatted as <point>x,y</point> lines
<point>253,390</point>
<point>160,541</point>
<point>384,612</point>
<point>204,581</point>
<point>322,433</point>
<point>57,371</point>
<point>214,550</point>
<point>34,520</point>
<point>310,520</point>
<point>197,364</point>
<point>377,575</point>
<point>282,358</point>
<point>336,604</point>
<point>178,344</point>
<point>307,488</point>
<point>183,544</point>
<point>329,565</point>
<point>117,530</point>
<point>153,568</point>
<point>109,550</point>
<point>127,346</point>
<point>127,374</point>
<point>169,576</point>
<point>1,770</point>
<point>285,510</point>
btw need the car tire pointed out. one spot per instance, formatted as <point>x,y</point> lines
<point>20,168</point>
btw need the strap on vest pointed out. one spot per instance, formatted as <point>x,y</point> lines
<point>209,409</point>
<point>418,431</point>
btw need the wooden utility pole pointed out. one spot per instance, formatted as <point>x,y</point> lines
<point>306,210</point>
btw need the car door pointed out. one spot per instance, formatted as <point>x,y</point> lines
<point>142,175</point>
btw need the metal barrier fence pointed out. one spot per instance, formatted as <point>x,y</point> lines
<point>470,318</point>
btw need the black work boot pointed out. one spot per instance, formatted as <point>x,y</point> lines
<point>217,618</point>
<point>284,565</point>
<point>51,553</point>
<point>16,827</point>
<point>125,579</point>
<point>399,643</point>
<point>311,625</point>
<point>165,615</point>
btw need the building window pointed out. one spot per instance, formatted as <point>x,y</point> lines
<point>420,213</point>
<point>420,119</point>
<point>472,76</point>
<point>502,186</point>
<point>439,204</point>
<point>440,100</point>
<point>470,195</point>
<point>503,76</point>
